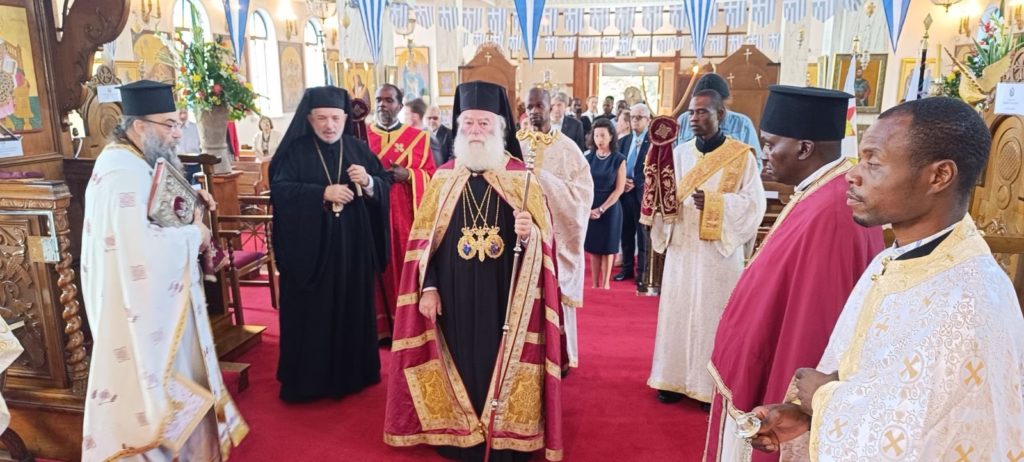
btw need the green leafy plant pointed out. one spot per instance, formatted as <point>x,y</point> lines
<point>208,78</point>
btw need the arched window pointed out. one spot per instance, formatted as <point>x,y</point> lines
<point>183,21</point>
<point>314,55</point>
<point>264,65</point>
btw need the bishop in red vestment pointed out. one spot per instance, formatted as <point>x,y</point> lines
<point>477,348</point>
<point>783,309</point>
<point>404,151</point>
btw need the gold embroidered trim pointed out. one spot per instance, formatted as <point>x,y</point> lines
<point>571,302</point>
<point>413,342</point>
<point>709,166</point>
<point>549,264</point>
<point>818,403</point>
<point>552,316</point>
<point>414,255</point>
<point>462,441</point>
<point>520,410</point>
<point>535,338</point>
<point>712,216</point>
<point>553,454</point>
<point>408,299</point>
<point>552,369</point>
<point>659,385</point>
<point>435,405</point>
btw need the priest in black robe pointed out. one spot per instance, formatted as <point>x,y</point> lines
<point>476,352</point>
<point>330,199</point>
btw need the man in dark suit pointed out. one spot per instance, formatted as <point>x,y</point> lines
<point>570,127</point>
<point>577,113</point>
<point>634,238</point>
<point>438,136</point>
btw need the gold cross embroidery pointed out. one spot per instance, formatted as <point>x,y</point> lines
<point>965,456</point>
<point>910,369</point>
<point>974,377</point>
<point>837,429</point>
<point>1010,457</point>
<point>894,443</point>
<point>399,147</point>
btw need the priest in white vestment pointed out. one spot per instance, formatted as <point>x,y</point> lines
<point>926,362</point>
<point>721,205</point>
<point>155,391</point>
<point>564,175</point>
<point>10,349</point>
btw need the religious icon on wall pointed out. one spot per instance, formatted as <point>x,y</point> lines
<point>361,82</point>
<point>869,79</point>
<point>413,72</point>
<point>907,84</point>
<point>292,83</point>
<point>822,80</point>
<point>19,91</point>
<point>812,75</point>
<point>155,57</point>
<point>333,58</point>
<point>446,83</point>
<point>127,71</point>
<point>446,115</point>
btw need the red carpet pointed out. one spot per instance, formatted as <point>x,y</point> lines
<point>610,413</point>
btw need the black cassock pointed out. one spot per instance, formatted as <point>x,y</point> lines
<point>474,296</point>
<point>328,266</point>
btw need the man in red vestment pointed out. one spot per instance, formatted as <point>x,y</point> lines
<point>477,350</point>
<point>404,151</point>
<point>787,301</point>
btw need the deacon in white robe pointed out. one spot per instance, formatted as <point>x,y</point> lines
<point>701,268</point>
<point>10,349</point>
<point>155,392</point>
<point>564,174</point>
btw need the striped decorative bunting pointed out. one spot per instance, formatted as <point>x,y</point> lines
<point>371,13</point>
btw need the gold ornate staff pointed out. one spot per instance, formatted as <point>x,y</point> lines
<point>536,140</point>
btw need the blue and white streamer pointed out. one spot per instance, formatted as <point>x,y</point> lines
<point>625,45</point>
<point>549,44</point>
<point>794,10</point>
<point>529,13</point>
<point>236,19</point>
<point>424,15</point>
<point>446,17</point>
<point>515,43</point>
<point>716,44</point>
<point>552,22</point>
<point>650,18</point>
<point>735,12</point>
<point>586,45</point>
<point>677,17</point>
<point>600,18</point>
<point>607,45</point>
<point>700,13</point>
<point>573,20</point>
<point>496,20</point>
<point>642,45</point>
<point>895,16</point>
<point>735,41</point>
<point>399,13</point>
<point>773,42</point>
<point>754,40</point>
<point>762,12</point>
<point>823,9</point>
<point>472,19</point>
<point>371,12</point>
<point>568,45</point>
<point>625,17</point>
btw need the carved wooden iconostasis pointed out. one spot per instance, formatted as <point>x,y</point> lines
<point>45,388</point>
<point>749,73</point>
<point>489,65</point>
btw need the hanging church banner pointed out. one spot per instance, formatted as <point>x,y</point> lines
<point>19,90</point>
<point>530,13</point>
<point>371,12</point>
<point>895,16</point>
<point>237,14</point>
<point>700,13</point>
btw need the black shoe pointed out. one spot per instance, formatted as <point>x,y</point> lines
<point>565,372</point>
<point>669,397</point>
<point>623,276</point>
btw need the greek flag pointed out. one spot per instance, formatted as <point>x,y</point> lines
<point>735,42</point>
<point>552,14</point>
<point>496,20</point>
<point>515,43</point>
<point>643,45</point>
<point>573,21</point>
<point>735,12</point>
<point>446,17</point>
<point>236,19</point>
<point>569,45</point>
<point>549,44</point>
<point>599,18</point>
<point>424,15</point>
<point>399,13</point>
<point>607,45</point>
<point>754,40</point>
<point>700,13</point>
<point>716,44</point>
<point>586,45</point>
<point>677,17</point>
<point>624,19</point>
<point>472,19</point>
<point>684,42</point>
<point>895,16</point>
<point>823,9</point>
<point>650,18</point>
<point>794,10</point>
<point>371,12</point>
<point>773,42</point>
<point>762,12</point>
<point>529,12</point>
<point>625,45</point>
<point>478,39</point>
<point>853,5</point>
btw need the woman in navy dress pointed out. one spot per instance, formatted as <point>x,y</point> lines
<point>608,168</point>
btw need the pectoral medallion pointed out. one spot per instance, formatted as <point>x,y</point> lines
<point>479,240</point>
<point>337,208</point>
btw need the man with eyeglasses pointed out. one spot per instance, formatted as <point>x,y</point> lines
<point>153,359</point>
<point>634,239</point>
<point>438,136</point>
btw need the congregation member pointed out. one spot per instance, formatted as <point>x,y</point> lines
<point>439,135</point>
<point>266,141</point>
<point>415,113</point>
<point>404,152</point>
<point>155,389</point>
<point>926,361</point>
<point>735,125</point>
<point>608,171</point>
<point>330,197</point>
<point>634,237</point>
<point>563,122</point>
<point>577,113</point>
<point>714,208</point>
<point>622,124</point>
<point>490,364</point>
<point>606,107</point>
<point>591,113</point>
<point>565,176</point>
<point>788,299</point>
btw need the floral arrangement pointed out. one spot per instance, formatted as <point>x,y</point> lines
<point>208,78</point>
<point>996,43</point>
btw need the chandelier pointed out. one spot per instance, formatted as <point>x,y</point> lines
<point>946,3</point>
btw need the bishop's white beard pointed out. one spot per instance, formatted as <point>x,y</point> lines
<point>478,157</point>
